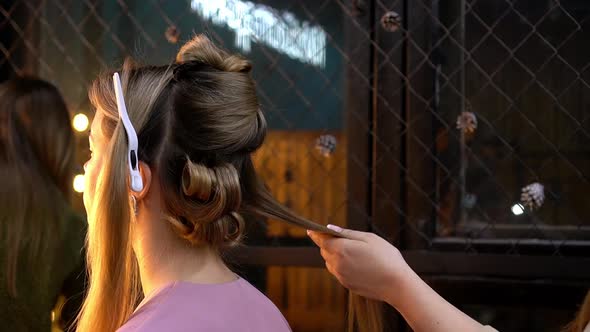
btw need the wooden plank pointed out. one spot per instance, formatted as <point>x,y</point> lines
<point>440,263</point>
<point>305,175</point>
<point>387,202</point>
<point>500,265</point>
<point>419,141</point>
<point>313,185</point>
<point>388,184</point>
<point>513,292</point>
<point>523,246</point>
<point>358,112</point>
<point>274,285</point>
<point>310,298</point>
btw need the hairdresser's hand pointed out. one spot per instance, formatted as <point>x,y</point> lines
<point>370,266</point>
<point>363,262</point>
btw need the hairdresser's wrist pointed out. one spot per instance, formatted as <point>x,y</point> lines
<point>402,282</point>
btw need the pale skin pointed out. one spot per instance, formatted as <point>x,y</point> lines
<point>370,266</point>
<point>162,256</point>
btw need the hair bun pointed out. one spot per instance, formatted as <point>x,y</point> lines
<point>201,49</point>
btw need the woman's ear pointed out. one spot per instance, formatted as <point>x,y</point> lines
<point>146,177</point>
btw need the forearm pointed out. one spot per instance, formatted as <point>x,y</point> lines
<point>425,310</point>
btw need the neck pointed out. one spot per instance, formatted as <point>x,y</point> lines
<point>164,258</point>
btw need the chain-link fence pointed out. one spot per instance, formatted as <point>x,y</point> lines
<point>494,100</point>
<point>512,77</point>
<point>441,125</point>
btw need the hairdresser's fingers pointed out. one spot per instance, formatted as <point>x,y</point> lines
<point>333,269</point>
<point>322,240</point>
<point>316,237</point>
<point>350,234</point>
<point>331,265</point>
<point>329,257</point>
<point>330,268</point>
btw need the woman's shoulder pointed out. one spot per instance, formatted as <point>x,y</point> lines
<point>185,306</point>
<point>258,298</point>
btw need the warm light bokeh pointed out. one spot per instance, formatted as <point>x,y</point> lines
<point>79,183</point>
<point>80,122</point>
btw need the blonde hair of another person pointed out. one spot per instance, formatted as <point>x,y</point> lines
<point>198,122</point>
<point>582,321</point>
<point>36,164</point>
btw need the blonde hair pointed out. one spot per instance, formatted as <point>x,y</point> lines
<point>582,317</point>
<point>36,163</point>
<point>198,121</point>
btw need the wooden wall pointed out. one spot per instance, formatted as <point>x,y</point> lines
<point>315,187</point>
<point>300,177</point>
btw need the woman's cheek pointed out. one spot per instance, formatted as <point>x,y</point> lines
<point>90,175</point>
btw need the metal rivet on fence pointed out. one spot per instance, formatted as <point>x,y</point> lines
<point>469,200</point>
<point>467,122</point>
<point>172,34</point>
<point>391,21</point>
<point>326,145</point>
<point>533,195</point>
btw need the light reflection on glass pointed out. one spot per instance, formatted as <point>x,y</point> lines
<point>280,30</point>
<point>517,209</point>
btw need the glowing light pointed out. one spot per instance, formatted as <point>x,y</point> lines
<point>79,183</point>
<point>80,122</point>
<point>280,30</point>
<point>517,209</point>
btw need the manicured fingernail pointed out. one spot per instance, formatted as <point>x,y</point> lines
<point>335,228</point>
<point>308,232</point>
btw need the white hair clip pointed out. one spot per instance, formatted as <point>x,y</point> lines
<point>133,159</point>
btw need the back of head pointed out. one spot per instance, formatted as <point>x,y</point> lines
<point>198,122</point>
<point>36,158</point>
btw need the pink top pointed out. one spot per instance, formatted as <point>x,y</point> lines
<point>184,306</point>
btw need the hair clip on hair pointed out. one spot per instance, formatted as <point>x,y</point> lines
<point>133,158</point>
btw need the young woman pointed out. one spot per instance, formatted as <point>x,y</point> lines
<point>168,180</point>
<point>41,239</point>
